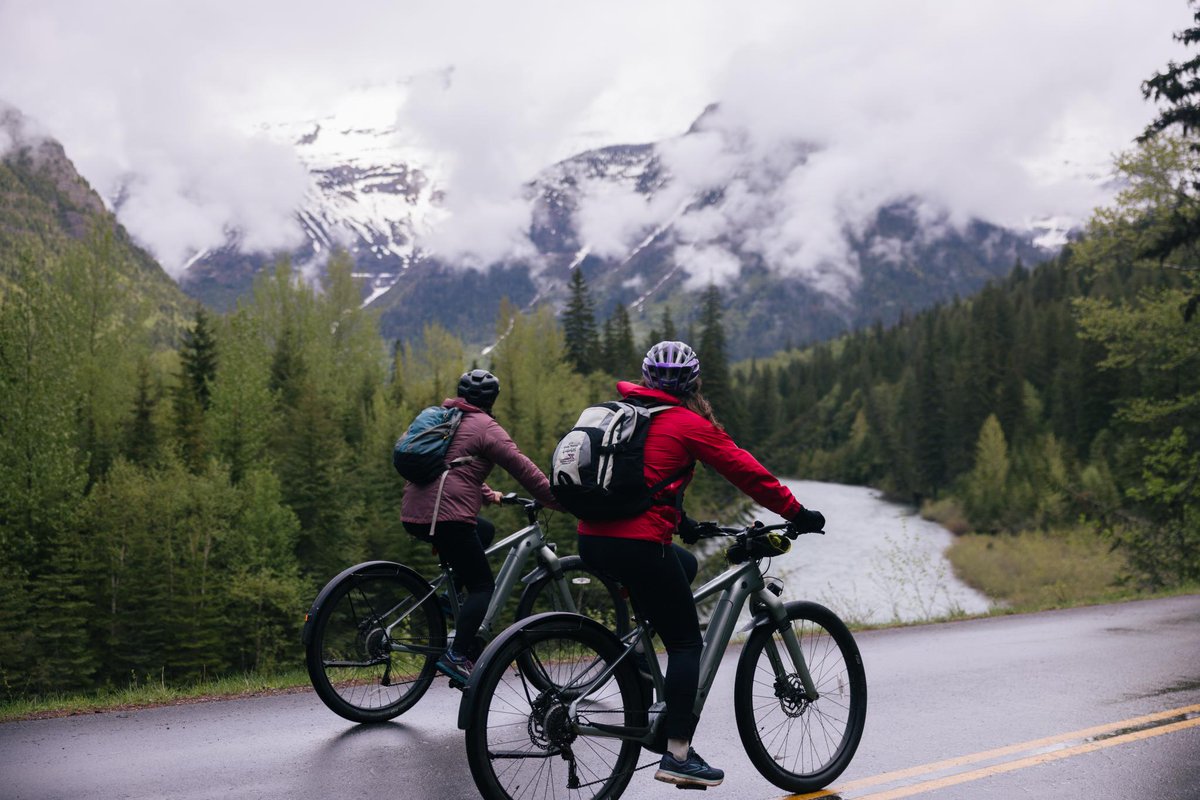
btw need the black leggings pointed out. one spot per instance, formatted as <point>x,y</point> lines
<point>461,545</point>
<point>659,579</point>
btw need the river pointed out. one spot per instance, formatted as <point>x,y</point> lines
<point>878,561</point>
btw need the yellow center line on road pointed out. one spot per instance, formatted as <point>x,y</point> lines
<point>1113,733</point>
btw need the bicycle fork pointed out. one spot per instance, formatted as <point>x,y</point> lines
<point>777,611</point>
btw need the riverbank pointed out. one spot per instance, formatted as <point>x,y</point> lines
<point>879,562</point>
<point>1041,570</point>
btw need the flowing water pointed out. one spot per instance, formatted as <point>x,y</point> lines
<point>877,562</point>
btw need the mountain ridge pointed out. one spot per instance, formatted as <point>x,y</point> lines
<point>44,200</point>
<point>905,257</point>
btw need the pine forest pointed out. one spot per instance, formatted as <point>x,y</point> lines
<point>177,484</point>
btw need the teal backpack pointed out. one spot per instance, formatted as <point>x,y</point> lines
<point>420,454</point>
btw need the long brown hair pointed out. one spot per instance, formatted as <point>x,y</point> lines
<point>693,401</point>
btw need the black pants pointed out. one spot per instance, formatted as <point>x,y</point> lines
<point>461,545</point>
<point>659,579</point>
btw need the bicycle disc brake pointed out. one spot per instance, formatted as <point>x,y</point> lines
<point>792,698</point>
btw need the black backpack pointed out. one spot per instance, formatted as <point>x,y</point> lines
<point>597,471</point>
<point>420,454</point>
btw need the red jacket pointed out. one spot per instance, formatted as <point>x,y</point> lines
<point>677,439</point>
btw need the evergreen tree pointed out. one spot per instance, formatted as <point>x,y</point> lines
<point>42,478</point>
<point>198,358</point>
<point>102,331</point>
<point>929,426</point>
<point>311,461</point>
<point>1177,91</point>
<point>664,332</point>
<point>579,326</point>
<point>141,437</point>
<point>714,361</point>
<point>198,362</point>
<point>288,368</point>
<point>620,355</point>
<point>243,413</point>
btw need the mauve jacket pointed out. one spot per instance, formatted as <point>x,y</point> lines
<point>481,436</point>
<point>677,439</point>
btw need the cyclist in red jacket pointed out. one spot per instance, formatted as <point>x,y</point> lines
<point>639,551</point>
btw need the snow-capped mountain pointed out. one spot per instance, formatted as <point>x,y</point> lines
<point>649,224</point>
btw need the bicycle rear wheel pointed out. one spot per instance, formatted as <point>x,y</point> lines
<point>374,644</point>
<point>592,596</point>
<point>797,744</point>
<point>520,740</point>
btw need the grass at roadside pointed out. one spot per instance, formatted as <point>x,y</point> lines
<point>147,695</point>
<point>1038,570</point>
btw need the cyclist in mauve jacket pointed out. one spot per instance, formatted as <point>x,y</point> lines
<point>451,511</point>
<point>639,551</point>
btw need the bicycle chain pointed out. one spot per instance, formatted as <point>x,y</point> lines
<point>616,774</point>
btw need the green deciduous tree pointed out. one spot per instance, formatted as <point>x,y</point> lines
<point>986,489</point>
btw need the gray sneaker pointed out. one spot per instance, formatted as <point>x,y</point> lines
<point>692,771</point>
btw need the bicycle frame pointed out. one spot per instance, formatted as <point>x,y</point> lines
<point>529,542</point>
<point>736,586</point>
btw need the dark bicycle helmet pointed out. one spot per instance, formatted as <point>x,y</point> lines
<point>672,367</point>
<point>479,387</point>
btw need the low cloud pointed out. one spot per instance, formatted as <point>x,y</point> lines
<point>990,111</point>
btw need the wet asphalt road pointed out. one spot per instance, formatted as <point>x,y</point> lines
<point>936,692</point>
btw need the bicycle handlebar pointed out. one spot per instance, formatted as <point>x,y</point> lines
<point>755,541</point>
<point>531,506</point>
<point>714,530</point>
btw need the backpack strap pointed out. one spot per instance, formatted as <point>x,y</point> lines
<point>667,481</point>
<point>437,503</point>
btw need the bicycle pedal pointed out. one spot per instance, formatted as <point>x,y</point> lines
<point>457,684</point>
<point>691,786</point>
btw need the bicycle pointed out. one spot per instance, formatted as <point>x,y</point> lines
<point>800,691</point>
<point>375,632</point>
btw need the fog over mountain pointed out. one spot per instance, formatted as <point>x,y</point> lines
<point>985,112</point>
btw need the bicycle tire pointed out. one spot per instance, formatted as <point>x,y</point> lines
<point>595,596</point>
<point>358,669</point>
<point>797,745</point>
<point>517,735</point>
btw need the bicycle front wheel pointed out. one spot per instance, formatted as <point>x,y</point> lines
<point>521,741</point>
<point>797,743</point>
<point>374,644</point>
<point>591,595</point>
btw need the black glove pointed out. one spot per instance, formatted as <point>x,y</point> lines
<point>808,521</point>
<point>689,530</point>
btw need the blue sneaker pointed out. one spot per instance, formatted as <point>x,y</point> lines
<point>456,666</point>
<point>692,771</point>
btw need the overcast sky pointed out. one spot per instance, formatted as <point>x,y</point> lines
<point>977,106</point>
